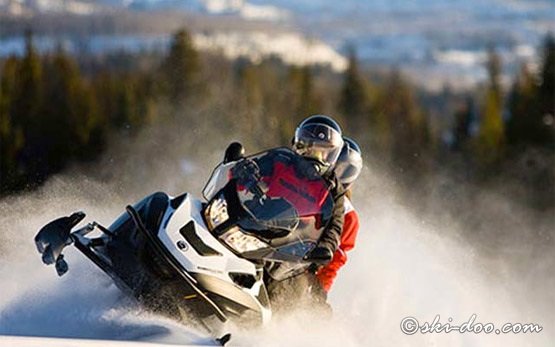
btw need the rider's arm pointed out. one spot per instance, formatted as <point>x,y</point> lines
<point>332,234</point>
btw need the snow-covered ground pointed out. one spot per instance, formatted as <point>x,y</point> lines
<point>27,341</point>
<point>292,48</point>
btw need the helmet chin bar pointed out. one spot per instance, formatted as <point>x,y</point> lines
<point>320,167</point>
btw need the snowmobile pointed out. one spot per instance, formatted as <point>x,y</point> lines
<point>210,258</point>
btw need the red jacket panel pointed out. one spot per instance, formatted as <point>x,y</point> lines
<point>327,274</point>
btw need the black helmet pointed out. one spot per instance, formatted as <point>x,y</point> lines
<point>349,163</point>
<point>319,138</point>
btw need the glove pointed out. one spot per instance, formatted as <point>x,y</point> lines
<point>246,172</point>
<point>319,255</point>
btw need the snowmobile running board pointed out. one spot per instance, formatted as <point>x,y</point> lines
<point>163,252</point>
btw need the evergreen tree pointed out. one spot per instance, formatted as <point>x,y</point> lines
<point>123,102</point>
<point>303,94</point>
<point>68,116</point>
<point>25,110</point>
<point>263,111</point>
<point>250,85</point>
<point>11,135</point>
<point>494,68</point>
<point>463,123</point>
<point>490,141</point>
<point>251,99</point>
<point>546,95</point>
<point>124,113</point>
<point>522,126</point>
<point>532,103</point>
<point>547,85</point>
<point>407,123</point>
<point>181,68</point>
<point>353,103</point>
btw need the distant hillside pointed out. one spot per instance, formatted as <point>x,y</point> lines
<point>436,42</point>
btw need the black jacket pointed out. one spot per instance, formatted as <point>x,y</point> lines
<point>332,234</point>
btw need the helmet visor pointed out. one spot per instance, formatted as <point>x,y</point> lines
<point>319,142</point>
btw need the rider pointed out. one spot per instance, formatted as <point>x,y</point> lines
<point>318,139</point>
<point>347,169</point>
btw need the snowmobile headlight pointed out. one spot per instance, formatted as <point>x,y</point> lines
<point>242,242</point>
<point>216,213</point>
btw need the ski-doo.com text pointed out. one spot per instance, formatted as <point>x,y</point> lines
<point>411,326</point>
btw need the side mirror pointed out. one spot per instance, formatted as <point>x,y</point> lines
<point>234,152</point>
